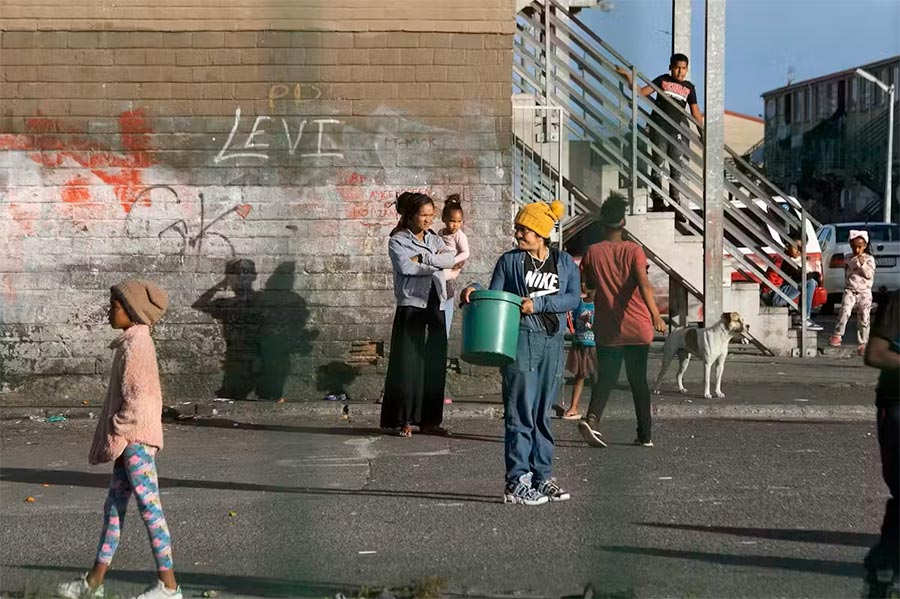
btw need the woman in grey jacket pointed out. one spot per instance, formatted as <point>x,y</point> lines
<point>414,388</point>
<point>549,284</point>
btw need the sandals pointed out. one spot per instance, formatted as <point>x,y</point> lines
<point>403,431</point>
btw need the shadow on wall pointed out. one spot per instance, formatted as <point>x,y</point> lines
<point>262,329</point>
<point>335,377</point>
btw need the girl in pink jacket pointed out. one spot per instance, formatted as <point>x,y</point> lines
<point>129,433</point>
<point>859,275</point>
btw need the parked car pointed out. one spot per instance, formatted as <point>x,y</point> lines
<point>814,256</point>
<point>884,242</point>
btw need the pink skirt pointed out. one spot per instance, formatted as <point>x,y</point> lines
<point>582,361</point>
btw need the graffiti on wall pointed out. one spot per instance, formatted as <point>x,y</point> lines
<point>204,230</point>
<point>53,144</point>
<point>258,141</point>
<point>295,92</point>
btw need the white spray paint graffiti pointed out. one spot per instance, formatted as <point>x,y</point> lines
<point>321,151</point>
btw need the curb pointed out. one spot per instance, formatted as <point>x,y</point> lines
<point>664,411</point>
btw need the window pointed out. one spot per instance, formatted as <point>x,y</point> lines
<point>788,105</point>
<point>866,94</point>
<point>770,109</point>
<point>799,105</point>
<point>854,93</point>
<point>810,104</point>
<point>877,232</point>
<point>821,101</point>
<point>841,95</point>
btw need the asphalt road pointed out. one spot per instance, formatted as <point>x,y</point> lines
<point>306,508</point>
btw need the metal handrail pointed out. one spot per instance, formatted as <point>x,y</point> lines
<point>597,106</point>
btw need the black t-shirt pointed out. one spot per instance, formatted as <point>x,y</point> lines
<point>542,279</point>
<point>682,92</point>
<point>887,326</point>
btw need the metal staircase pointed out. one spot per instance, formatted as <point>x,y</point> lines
<point>562,68</point>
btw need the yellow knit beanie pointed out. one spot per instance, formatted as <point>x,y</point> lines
<point>540,217</point>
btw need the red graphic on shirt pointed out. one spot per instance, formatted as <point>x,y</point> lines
<point>673,88</point>
<point>53,144</point>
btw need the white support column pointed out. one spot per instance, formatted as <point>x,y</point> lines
<point>681,43</point>
<point>714,163</point>
<point>681,27</point>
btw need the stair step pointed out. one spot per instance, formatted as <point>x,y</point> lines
<point>773,310</point>
<point>688,239</point>
<point>659,216</point>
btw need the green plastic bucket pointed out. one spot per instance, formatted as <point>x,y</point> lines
<point>490,328</point>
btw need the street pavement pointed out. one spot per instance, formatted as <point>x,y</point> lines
<point>283,506</point>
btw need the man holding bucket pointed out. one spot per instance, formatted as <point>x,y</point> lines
<point>549,285</point>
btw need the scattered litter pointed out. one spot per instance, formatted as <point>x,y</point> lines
<point>748,542</point>
<point>345,413</point>
<point>85,402</point>
<point>665,478</point>
<point>223,400</point>
<point>57,418</point>
<point>584,480</point>
<point>210,594</point>
<point>45,485</point>
<point>91,415</point>
<point>780,373</point>
<point>185,403</point>
<point>280,400</point>
<point>34,418</point>
<point>29,499</point>
<point>801,400</point>
<point>366,552</point>
<point>336,397</point>
<point>232,514</point>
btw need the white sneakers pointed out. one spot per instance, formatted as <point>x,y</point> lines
<point>79,589</point>
<point>160,592</point>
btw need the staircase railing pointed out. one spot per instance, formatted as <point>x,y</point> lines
<point>541,176</point>
<point>561,62</point>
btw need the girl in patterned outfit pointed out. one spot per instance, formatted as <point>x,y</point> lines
<point>129,433</point>
<point>859,274</point>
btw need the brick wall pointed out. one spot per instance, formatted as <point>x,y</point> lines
<point>165,142</point>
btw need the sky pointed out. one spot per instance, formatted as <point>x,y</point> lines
<point>764,39</point>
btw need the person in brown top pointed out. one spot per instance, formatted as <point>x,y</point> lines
<point>625,316</point>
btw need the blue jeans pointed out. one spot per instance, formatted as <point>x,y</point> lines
<point>793,293</point>
<point>530,385</point>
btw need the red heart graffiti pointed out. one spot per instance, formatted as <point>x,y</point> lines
<point>243,210</point>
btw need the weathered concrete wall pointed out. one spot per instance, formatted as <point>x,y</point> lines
<point>163,142</point>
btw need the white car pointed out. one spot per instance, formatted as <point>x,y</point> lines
<point>884,243</point>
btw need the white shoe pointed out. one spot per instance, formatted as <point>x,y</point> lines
<point>160,592</point>
<point>79,589</point>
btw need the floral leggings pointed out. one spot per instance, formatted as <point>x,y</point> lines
<point>863,303</point>
<point>135,474</point>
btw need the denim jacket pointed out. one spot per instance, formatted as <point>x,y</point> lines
<point>509,276</point>
<point>413,280</point>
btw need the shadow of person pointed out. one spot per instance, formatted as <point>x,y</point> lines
<point>239,316</point>
<point>283,331</point>
<point>335,377</point>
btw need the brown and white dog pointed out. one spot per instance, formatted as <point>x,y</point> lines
<point>709,344</point>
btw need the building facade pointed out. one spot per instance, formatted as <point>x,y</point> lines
<point>247,158</point>
<point>826,138</point>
